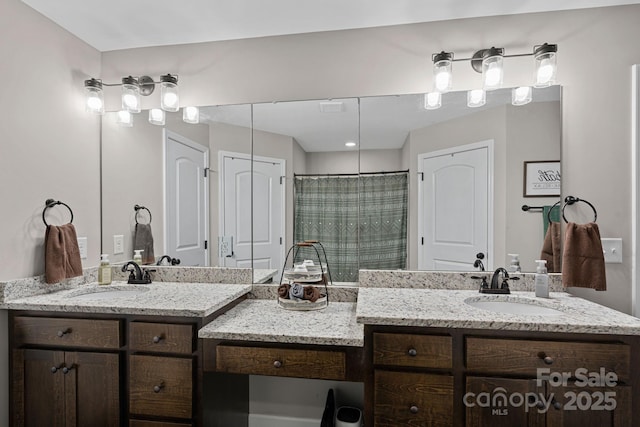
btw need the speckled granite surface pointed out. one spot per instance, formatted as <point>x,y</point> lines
<point>263,275</point>
<point>446,280</point>
<point>192,274</point>
<point>162,299</point>
<point>447,309</point>
<point>21,288</point>
<point>265,321</point>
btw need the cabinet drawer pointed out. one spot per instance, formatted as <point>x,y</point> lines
<point>142,423</point>
<point>161,337</point>
<point>427,351</point>
<point>160,386</point>
<point>412,399</point>
<point>67,332</point>
<point>524,357</point>
<point>330,365</point>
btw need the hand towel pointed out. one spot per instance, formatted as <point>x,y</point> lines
<point>143,239</point>
<point>61,253</point>
<point>311,293</point>
<point>283,290</point>
<point>551,251</point>
<point>583,259</point>
<point>296,291</point>
<point>552,212</point>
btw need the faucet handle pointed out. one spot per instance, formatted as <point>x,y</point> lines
<point>483,284</point>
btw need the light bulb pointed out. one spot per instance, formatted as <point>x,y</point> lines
<point>130,95</point>
<point>191,115</point>
<point>442,77</point>
<point>545,73</point>
<point>521,95</point>
<point>169,100</point>
<point>94,98</point>
<point>546,64</point>
<point>125,118</point>
<point>350,144</point>
<point>476,98</point>
<point>156,116</point>
<point>492,72</point>
<point>432,100</point>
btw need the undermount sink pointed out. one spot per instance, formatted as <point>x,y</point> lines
<point>521,307</point>
<point>108,292</point>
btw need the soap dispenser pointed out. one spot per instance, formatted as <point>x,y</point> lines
<point>514,266</point>
<point>542,279</point>
<point>104,271</point>
<point>137,256</point>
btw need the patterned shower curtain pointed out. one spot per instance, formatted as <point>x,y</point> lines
<point>360,220</point>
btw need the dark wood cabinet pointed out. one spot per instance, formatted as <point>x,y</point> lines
<point>66,388</point>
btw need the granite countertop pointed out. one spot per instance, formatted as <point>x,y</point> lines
<point>158,298</point>
<point>263,320</point>
<point>447,309</point>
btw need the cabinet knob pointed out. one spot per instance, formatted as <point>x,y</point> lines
<point>66,369</point>
<point>157,388</point>
<point>556,404</point>
<point>158,338</point>
<point>277,364</point>
<point>412,352</point>
<point>54,369</point>
<point>548,360</point>
<point>63,332</point>
<point>414,409</point>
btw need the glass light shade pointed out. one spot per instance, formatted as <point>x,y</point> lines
<point>156,116</point>
<point>476,98</point>
<point>130,96</point>
<point>546,68</point>
<point>191,115</point>
<point>432,100</point>
<point>124,118</point>
<point>94,99</point>
<point>442,76</point>
<point>521,95</point>
<point>492,72</point>
<point>169,99</point>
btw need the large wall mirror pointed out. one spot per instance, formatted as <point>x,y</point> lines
<point>360,174</point>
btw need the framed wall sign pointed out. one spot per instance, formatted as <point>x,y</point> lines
<point>542,178</point>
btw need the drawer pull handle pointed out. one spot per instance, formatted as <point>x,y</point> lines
<point>556,404</point>
<point>548,360</point>
<point>413,352</point>
<point>54,369</point>
<point>66,370</point>
<point>277,364</point>
<point>414,409</point>
<point>157,388</point>
<point>158,338</point>
<point>63,332</point>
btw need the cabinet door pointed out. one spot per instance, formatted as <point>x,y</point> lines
<point>39,384</point>
<point>587,406</point>
<point>92,389</point>
<point>500,402</point>
<point>412,399</point>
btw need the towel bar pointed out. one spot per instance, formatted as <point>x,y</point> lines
<point>49,203</point>
<point>570,200</point>
<point>137,208</point>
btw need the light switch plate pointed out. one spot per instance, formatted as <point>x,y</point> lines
<point>612,249</point>
<point>118,244</point>
<point>82,246</point>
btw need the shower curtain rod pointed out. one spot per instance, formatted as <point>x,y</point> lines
<point>349,174</point>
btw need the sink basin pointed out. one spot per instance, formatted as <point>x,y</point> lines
<point>521,307</point>
<point>108,292</point>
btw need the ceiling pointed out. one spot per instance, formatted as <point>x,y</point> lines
<point>123,24</point>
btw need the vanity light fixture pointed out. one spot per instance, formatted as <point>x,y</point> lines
<point>169,100</point>
<point>156,116</point>
<point>521,95</point>
<point>94,97</point>
<point>191,115</point>
<point>350,144</point>
<point>432,100</point>
<point>489,62</point>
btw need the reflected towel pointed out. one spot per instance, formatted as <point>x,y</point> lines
<point>296,291</point>
<point>551,251</point>
<point>583,259</point>
<point>61,253</point>
<point>311,293</point>
<point>552,212</point>
<point>283,290</point>
<point>143,239</point>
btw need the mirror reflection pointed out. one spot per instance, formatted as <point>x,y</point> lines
<point>362,168</point>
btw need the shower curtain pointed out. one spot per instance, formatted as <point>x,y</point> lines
<point>360,219</point>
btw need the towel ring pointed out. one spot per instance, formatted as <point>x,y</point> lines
<point>137,208</point>
<point>49,203</point>
<point>570,200</point>
<point>550,210</point>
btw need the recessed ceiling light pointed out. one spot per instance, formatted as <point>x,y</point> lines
<point>350,144</point>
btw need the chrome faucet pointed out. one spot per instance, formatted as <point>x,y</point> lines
<point>137,275</point>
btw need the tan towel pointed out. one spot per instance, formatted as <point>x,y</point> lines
<point>583,259</point>
<point>551,248</point>
<point>61,253</point>
<point>143,239</point>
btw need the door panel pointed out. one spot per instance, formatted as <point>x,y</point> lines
<point>236,209</point>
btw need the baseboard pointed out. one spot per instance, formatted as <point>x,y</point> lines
<point>260,420</point>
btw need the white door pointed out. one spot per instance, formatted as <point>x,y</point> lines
<point>235,211</point>
<point>186,200</point>
<point>455,207</point>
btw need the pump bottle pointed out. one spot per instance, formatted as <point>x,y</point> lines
<point>542,279</point>
<point>104,271</point>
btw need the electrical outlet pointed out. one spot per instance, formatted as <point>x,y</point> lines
<point>118,244</point>
<point>82,246</point>
<point>612,249</point>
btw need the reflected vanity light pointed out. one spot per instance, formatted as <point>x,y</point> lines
<point>156,116</point>
<point>124,118</point>
<point>476,98</point>
<point>489,62</point>
<point>521,95</point>
<point>191,115</point>
<point>132,88</point>
<point>432,100</point>
<point>350,144</point>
